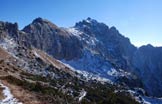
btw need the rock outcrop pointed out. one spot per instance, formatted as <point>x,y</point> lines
<point>57,42</point>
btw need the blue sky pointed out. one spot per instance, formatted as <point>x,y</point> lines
<point>140,20</point>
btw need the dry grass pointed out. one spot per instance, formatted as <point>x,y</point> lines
<point>23,95</point>
<point>46,58</point>
<point>4,54</point>
<point>1,93</point>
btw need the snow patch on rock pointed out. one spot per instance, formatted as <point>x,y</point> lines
<point>74,31</point>
<point>151,100</point>
<point>9,98</point>
<point>118,73</point>
<point>82,95</point>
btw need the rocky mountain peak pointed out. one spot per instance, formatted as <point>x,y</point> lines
<point>148,46</point>
<point>7,28</point>
<point>39,19</point>
<point>56,41</point>
<point>88,23</point>
<point>40,23</point>
<point>90,20</point>
<point>113,28</point>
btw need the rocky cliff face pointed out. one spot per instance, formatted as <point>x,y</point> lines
<point>108,42</point>
<point>148,63</point>
<point>87,35</point>
<point>46,36</point>
<point>8,29</point>
<point>104,49</point>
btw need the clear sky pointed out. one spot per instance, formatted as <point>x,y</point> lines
<point>140,20</point>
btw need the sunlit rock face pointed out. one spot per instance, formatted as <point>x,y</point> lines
<point>106,47</point>
<point>59,43</point>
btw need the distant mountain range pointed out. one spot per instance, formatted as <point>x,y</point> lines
<point>91,51</point>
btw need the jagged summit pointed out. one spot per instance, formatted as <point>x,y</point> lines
<point>45,35</point>
<point>4,25</point>
<point>10,29</point>
<point>40,20</point>
<point>149,45</point>
<point>43,24</point>
<point>89,22</point>
<point>113,28</point>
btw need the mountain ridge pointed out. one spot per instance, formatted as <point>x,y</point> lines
<point>31,73</point>
<point>94,47</point>
<point>106,47</point>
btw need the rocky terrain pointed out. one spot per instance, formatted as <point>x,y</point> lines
<point>88,63</point>
<point>97,48</point>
